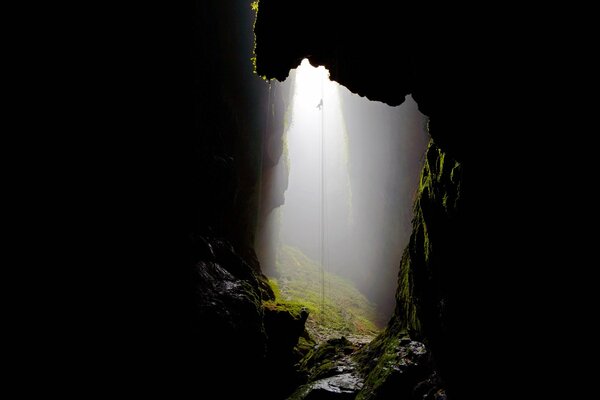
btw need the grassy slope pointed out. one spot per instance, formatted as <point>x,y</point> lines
<point>346,312</point>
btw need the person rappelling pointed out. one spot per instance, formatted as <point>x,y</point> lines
<point>320,105</point>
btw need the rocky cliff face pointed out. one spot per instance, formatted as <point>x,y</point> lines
<point>228,315</point>
<point>238,333</point>
<point>423,301</point>
<point>232,340</point>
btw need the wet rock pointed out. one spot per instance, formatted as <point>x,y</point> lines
<point>430,389</point>
<point>305,345</point>
<point>226,316</point>
<point>439,395</point>
<point>343,386</point>
<point>331,371</point>
<point>403,370</point>
<point>229,308</point>
<point>284,325</point>
<point>329,358</point>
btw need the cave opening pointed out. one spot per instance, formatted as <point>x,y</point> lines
<point>476,281</point>
<point>305,174</point>
<point>348,172</point>
<point>170,165</point>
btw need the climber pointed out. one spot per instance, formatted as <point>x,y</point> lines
<point>320,105</point>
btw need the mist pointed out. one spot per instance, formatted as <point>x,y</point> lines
<point>352,169</point>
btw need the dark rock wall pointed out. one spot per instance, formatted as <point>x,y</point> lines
<point>228,334</point>
<point>192,133</point>
<point>274,179</point>
<point>423,282</point>
<point>425,298</point>
<point>231,117</point>
<point>235,149</point>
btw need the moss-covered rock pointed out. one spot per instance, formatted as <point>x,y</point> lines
<point>343,311</point>
<point>393,363</point>
<point>394,366</point>
<point>287,343</point>
<point>420,297</point>
<point>337,387</point>
<point>331,372</point>
<point>305,345</point>
<point>327,359</point>
<point>284,327</point>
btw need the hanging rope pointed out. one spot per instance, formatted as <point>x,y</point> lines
<point>323,203</point>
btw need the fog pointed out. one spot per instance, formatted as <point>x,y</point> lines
<point>353,168</point>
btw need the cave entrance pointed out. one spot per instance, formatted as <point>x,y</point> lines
<point>346,177</point>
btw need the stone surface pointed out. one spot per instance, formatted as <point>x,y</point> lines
<point>331,372</point>
<point>396,367</point>
<point>343,386</point>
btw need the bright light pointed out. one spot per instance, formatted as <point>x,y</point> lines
<point>319,185</point>
<point>352,166</point>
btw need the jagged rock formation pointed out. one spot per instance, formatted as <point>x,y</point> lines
<point>421,299</point>
<point>385,369</point>
<point>398,367</point>
<point>330,371</point>
<point>238,329</point>
<point>228,297</point>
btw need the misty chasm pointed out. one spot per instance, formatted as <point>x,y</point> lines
<point>397,364</point>
<point>242,321</point>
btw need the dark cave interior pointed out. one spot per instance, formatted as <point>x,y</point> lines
<point>475,301</point>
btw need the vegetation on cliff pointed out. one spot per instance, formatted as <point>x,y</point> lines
<point>345,311</point>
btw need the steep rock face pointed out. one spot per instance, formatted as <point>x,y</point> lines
<point>284,327</point>
<point>239,330</point>
<point>398,367</point>
<point>422,299</point>
<point>423,282</point>
<point>228,316</point>
<point>212,163</point>
<point>275,171</point>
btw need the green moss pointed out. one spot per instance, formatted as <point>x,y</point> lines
<point>381,368</point>
<point>441,158</point>
<point>282,304</point>
<point>378,359</point>
<point>254,7</point>
<point>301,393</point>
<point>320,362</point>
<point>435,205</point>
<point>305,345</point>
<point>275,287</point>
<point>346,311</point>
<point>294,308</point>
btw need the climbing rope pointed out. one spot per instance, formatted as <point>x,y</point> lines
<point>323,203</point>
